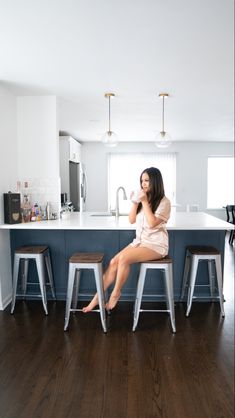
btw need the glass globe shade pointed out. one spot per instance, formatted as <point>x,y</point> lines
<point>163,140</point>
<point>109,139</point>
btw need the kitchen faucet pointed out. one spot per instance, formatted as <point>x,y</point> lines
<point>117,200</point>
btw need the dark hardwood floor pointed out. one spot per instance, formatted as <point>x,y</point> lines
<point>83,373</point>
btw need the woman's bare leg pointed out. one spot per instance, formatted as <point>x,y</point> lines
<point>122,275</point>
<point>91,305</point>
<point>108,278</point>
<point>127,257</point>
<point>119,269</point>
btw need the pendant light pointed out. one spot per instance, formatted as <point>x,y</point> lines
<point>163,139</point>
<point>109,138</point>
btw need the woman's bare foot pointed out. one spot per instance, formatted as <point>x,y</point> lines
<point>113,300</point>
<point>91,305</point>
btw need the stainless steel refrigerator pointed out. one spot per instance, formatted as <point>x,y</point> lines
<point>77,186</point>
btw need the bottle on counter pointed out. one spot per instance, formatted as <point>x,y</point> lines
<point>36,213</point>
<point>19,190</point>
<point>33,216</point>
<point>48,211</point>
<point>25,205</point>
<point>43,213</point>
<point>26,209</point>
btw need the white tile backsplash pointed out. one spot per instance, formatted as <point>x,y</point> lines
<point>42,190</point>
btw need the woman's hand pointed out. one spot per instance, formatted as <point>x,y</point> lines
<point>150,216</point>
<point>143,196</point>
<point>133,211</point>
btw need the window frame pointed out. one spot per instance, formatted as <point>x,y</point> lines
<point>155,161</point>
<point>213,207</point>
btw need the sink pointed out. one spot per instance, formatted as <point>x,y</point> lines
<point>102,214</point>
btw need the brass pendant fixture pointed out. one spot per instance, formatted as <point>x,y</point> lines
<point>163,139</point>
<point>109,138</point>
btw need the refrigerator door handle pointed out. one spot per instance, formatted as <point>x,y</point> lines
<point>84,187</point>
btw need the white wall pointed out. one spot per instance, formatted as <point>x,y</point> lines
<point>8,176</point>
<point>38,147</point>
<point>37,137</point>
<point>191,176</point>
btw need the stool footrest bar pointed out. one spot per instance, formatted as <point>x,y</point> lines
<point>154,310</point>
<point>24,296</point>
<point>80,310</point>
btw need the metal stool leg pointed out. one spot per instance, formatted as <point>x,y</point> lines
<point>139,293</point>
<point>211,277</point>
<point>192,280</point>
<point>15,279</point>
<point>231,237</point>
<point>49,272</point>
<point>220,282</point>
<point>39,258</point>
<point>185,275</point>
<point>24,264</point>
<point>169,293</point>
<point>100,291</point>
<point>76,288</point>
<point>211,274</point>
<point>72,269</point>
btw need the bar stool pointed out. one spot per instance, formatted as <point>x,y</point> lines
<point>194,255</point>
<point>164,265</point>
<point>40,254</point>
<point>78,262</point>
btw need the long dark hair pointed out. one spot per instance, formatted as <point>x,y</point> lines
<point>156,188</point>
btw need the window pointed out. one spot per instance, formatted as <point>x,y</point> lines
<point>125,169</point>
<point>220,182</point>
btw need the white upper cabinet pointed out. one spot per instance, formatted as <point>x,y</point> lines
<point>74,150</point>
<point>71,149</point>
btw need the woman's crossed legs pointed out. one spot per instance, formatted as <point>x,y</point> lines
<point>119,268</point>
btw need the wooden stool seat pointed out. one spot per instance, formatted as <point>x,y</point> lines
<point>77,263</point>
<point>164,260</point>
<point>195,255</point>
<point>164,265</point>
<point>87,258</point>
<point>31,250</point>
<point>202,250</point>
<point>41,255</point>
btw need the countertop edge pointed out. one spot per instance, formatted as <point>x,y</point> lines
<point>179,221</point>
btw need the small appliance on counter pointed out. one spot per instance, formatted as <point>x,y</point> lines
<point>12,212</point>
<point>63,199</point>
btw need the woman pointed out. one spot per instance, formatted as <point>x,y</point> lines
<point>151,243</point>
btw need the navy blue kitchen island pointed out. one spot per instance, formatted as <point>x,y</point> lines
<point>84,232</point>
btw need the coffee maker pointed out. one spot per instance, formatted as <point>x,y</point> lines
<point>12,213</point>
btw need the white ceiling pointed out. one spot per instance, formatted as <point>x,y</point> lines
<point>80,49</point>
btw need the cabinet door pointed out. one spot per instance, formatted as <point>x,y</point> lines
<point>74,151</point>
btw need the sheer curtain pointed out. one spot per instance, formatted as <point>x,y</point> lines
<point>125,169</point>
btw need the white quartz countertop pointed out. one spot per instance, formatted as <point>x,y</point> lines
<point>87,220</point>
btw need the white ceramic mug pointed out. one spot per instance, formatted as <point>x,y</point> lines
<point>135,198</point>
